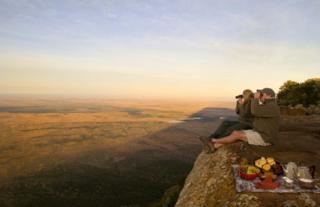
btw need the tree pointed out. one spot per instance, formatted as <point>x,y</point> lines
<point>289,85</point>
<point>289,93</point>
<point>306,93</point>
<point>311,92</point>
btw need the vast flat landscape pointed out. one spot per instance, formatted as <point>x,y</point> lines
<point>86,152</point>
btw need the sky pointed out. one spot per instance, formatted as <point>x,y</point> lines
<point>204,49</point>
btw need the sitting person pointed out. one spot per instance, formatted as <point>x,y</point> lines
<point>243,109</point>
<point>266,114</point>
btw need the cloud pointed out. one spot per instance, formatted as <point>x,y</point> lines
<point>157,47</point>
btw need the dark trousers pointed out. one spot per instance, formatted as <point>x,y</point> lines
<point>228,126</point>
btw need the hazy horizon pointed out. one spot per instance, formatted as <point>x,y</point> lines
<point>208,50</point>
<point>106,97</point>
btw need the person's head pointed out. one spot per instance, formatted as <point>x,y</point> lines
<point>266,93</point>
<point>247,94</point>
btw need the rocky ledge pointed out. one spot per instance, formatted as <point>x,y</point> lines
<point>211,182</point>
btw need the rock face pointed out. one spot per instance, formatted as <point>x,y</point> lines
<point>211,182</point>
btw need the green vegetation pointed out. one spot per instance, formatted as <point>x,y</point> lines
<point>306,93</point>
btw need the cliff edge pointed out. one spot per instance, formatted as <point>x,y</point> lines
<point>211,182</point>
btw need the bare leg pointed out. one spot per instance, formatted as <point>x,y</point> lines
<point>233,137</point>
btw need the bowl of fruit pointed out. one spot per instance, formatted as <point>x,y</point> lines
<point>269,167</point>
<point>248,172</point>
<point>265,164</point>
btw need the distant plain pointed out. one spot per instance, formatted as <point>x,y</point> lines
<point>86,152</point>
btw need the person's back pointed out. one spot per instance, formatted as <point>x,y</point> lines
<point>266,118</point>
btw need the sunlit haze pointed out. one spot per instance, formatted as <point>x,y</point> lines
<point>156,49</point>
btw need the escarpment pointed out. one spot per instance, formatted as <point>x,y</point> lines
<point>211,181</point>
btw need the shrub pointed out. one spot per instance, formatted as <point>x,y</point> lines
<point>293,93</point>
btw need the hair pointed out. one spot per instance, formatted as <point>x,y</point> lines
<point>247,95</point>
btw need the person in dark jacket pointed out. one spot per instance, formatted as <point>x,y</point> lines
<point>266,117</point>
<point>243,109</point>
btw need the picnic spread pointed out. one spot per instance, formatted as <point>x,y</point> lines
<point>268,175</point>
